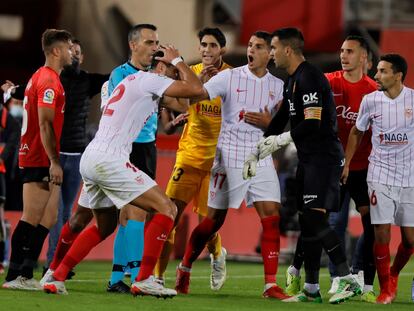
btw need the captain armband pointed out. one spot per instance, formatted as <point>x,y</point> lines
<point>313,113</point>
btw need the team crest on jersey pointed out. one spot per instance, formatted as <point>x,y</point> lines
<point>408,113</point>
<point>212,194</point>
<point>272,95</point>
<point>393,139</point>
<point>48,96</point>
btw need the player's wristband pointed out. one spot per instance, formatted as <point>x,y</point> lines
<point>177,60</point>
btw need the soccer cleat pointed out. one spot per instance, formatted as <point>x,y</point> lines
<point>334,285</point>
<point>275,292</point>
<point>360,278</point>
<point>52,286</point>
<point>218,270</point>
<point>393,286</point>
<point>182,281</point>
<point>292,283</point>
<point>369,297</point>
<point>48,273</point>
<point>348,287</point>
<point>119,287</point>
<point>160,280</point>
<point>22,283</point>
<point>305,296</point>
<point>149,287</point>
<point>384,298</point>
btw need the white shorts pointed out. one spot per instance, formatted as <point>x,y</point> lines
<point>391,205</point>
<point>110,180</point>
<point>228,189</point>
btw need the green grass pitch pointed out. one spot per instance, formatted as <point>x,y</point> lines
<point>242,291</point>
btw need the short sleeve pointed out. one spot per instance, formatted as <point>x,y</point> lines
<point>155,84</point>
<point>47,93</point>
<point>217,85</point>
<point>363,120</point>
<point>114,79</point>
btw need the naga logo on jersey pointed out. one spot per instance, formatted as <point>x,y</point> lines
<point>208,110</point>
<point>241,114</point>
<point>393,139</point>
<point>346,113</point>
<point>311,98</point>
<point>48,96</point>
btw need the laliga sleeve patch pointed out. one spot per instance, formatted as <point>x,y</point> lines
<point>48,96</point>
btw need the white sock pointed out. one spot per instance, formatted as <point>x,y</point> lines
<point>368,288</point>
<point>311,288</point>
<point>294,271</point>
<point>269,285</point>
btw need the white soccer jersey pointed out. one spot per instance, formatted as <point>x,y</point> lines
<point>392,124</point>
<point>242,91</point>
<point>130,105</point>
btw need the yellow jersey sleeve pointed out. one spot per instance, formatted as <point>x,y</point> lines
<point>197,145</point>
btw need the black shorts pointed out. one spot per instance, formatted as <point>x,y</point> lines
<point>34,174</point>
<point>2,188</point>
<point>144,156</point>
<point>357,187</point>
<point>318,186</point>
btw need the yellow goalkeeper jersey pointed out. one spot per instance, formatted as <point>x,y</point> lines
<point>197,145</point>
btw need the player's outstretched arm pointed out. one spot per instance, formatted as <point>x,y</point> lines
<point>354,139</point>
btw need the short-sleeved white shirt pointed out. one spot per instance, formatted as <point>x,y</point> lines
<point>242,91</point>
<point>131,104</point>
<point>392,123</point>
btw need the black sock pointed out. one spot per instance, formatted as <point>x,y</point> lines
<point>313,251</point>
<point>19,245</point>
<point>368,250</point>
<point>36,245</point>
<point>316,223</point>
<point>299,254</point>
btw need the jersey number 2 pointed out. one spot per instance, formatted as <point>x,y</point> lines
<point>117,95</point>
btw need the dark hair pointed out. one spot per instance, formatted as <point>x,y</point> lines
<point>135,31</point>
<point>398,63</point>
<point>215,32</point>
<point>52,36</point>
<point>362,42</point>
<point>76,41</point>
<point>292,37</point>
<point>267,36</point>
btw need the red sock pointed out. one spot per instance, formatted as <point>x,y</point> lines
<point>198,240</point>
<point>157,233</point>
<point>270,244</point>
<point>86,240</point>
<point>401,259</point>
<point>382,261</point>
<point>66,238</point>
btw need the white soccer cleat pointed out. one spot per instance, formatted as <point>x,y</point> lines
<point>150,287</point>
<point>52,286</point>
<point>348,287</point>
<point>22,283</point>
<point>334,285</point>
<point>47,276</point>
<point>218,270</point>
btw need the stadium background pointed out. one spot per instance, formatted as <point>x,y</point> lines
<point>102,25</point>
